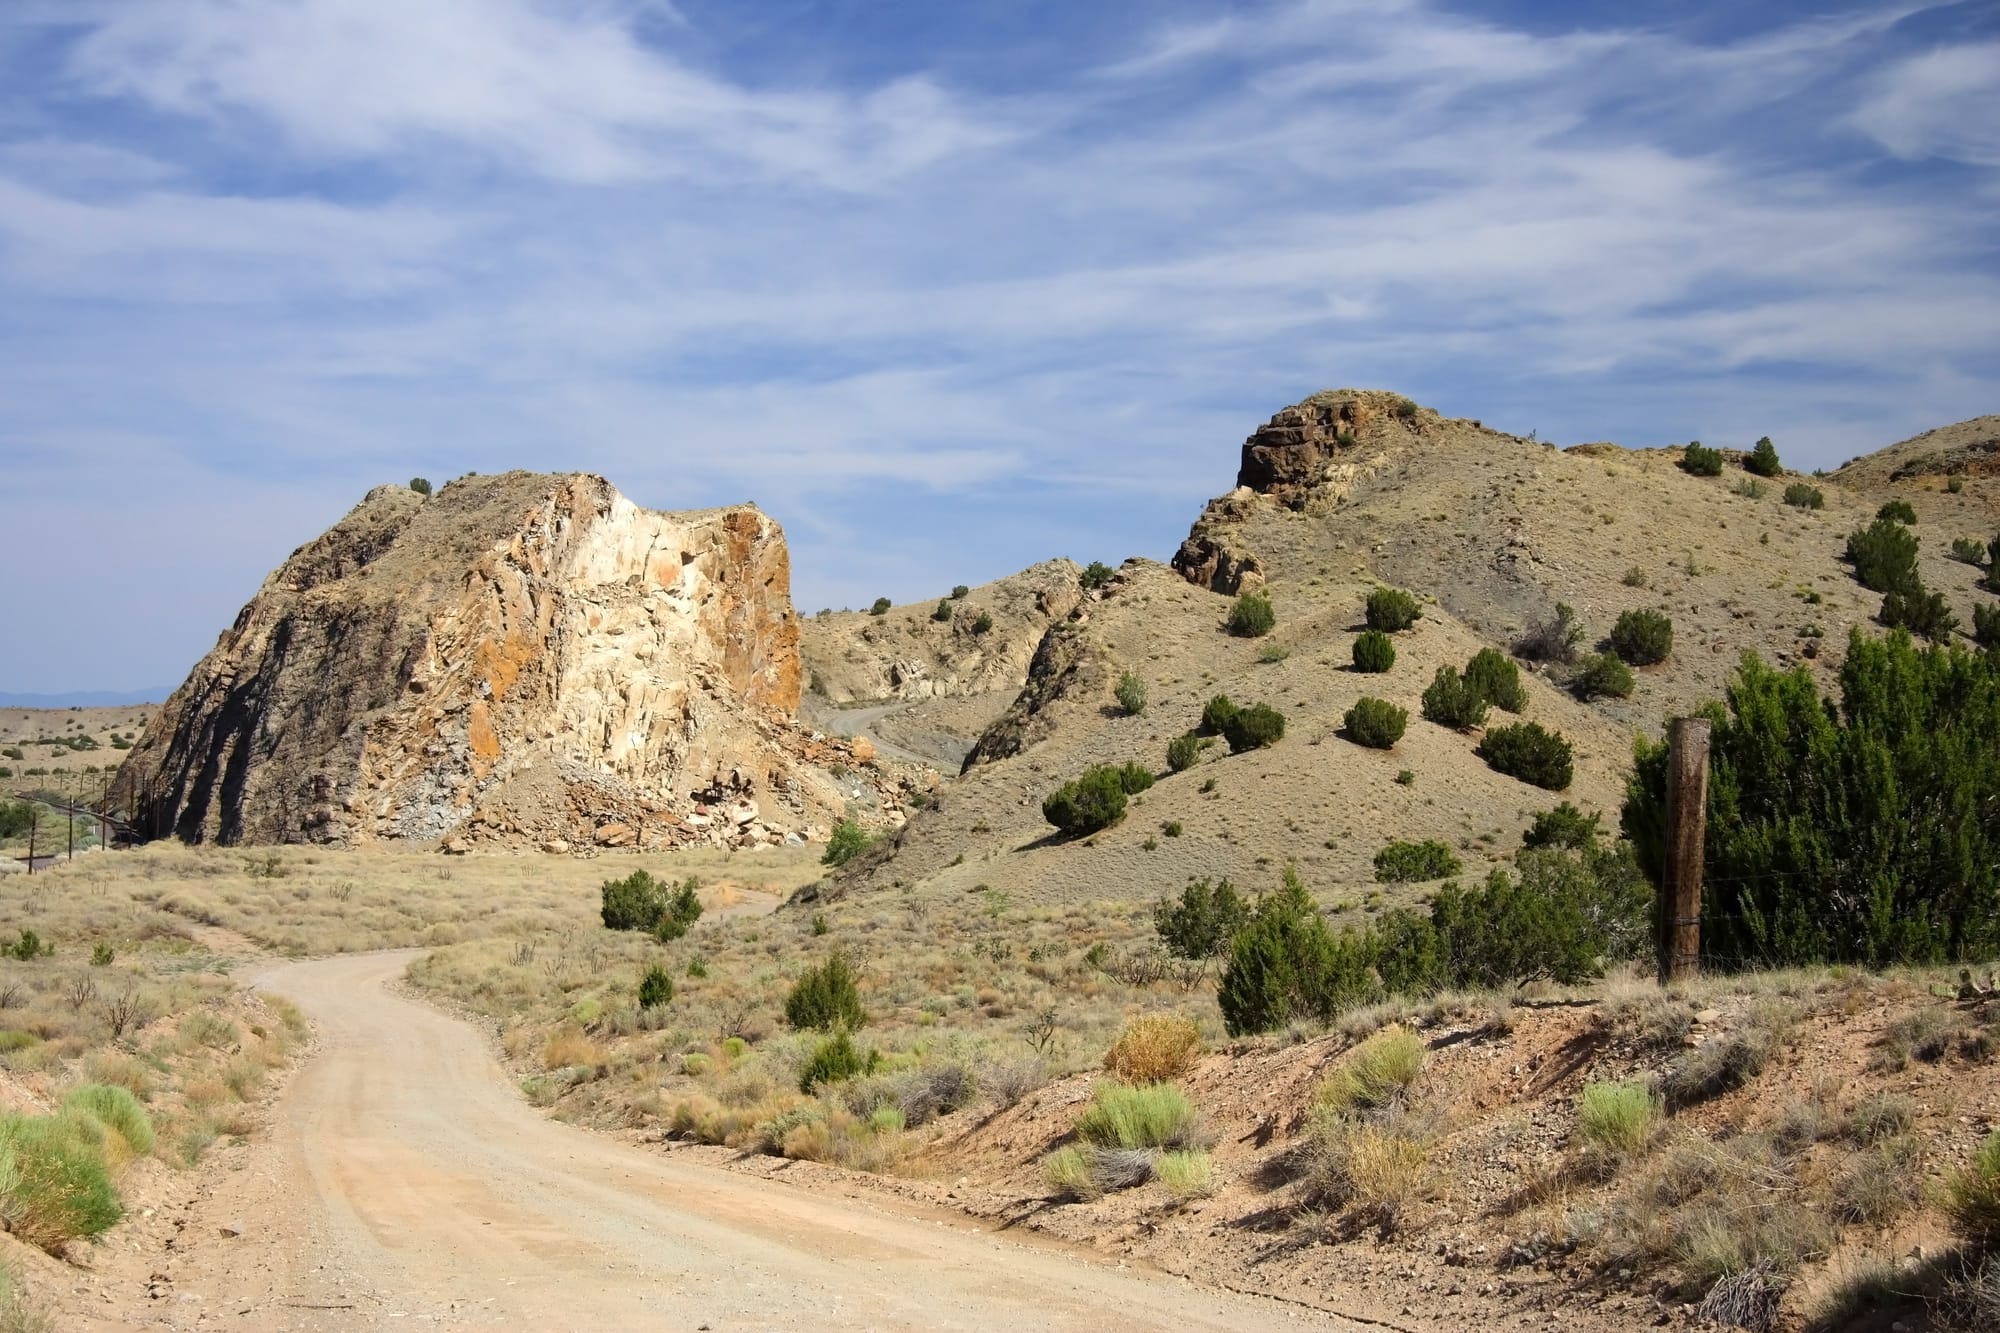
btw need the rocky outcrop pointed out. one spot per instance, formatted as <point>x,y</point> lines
<point>1067,664</point>
<point>527,658</point>
<point>1308,458</point>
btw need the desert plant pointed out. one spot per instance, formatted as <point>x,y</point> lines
<point>827,998</point>
<point>1852,833</point>
<point>1157,1048</point>
<point>1972,1194</point>
<point>1619,1118</point>
<point>1405,408</point>
<point>1919,610</point>
<point>1551,638</point>
<point>1799,495</point>
<point>1121,1115</point>
<point>1410,862</point>
<point>943,611</point>
<point>1986,625</point>
<point>1251,617</point>
<point>632,903</point>
<point>1562,916</point>
<point>1391,609</point>
<point>1897,511</point>
<point>1096,800</point>
<point>1564,826</point>
<point>1273,653</point>
<point>1216,713</point>
<point>1763,459</point>
<point>1701,461</point>
<point>960,592</point>
<point>1642,637</point>
<point>1286,963</point>
<point>848,841</point>
<point>1201,922</point>
<point>1184,752</point>
<point>1602,676</point>
<point>1751,489</point>
<point>1095,575</point>
<point>836,1060</point>
<point>1968,551</point>
<point>1884,556</point>
<point>1374,652</point>
<point>880,607</point>
<point>1375,1075</point>
<point>102,954</point>
<point>1955,483</point>
<point>1497,680</point>
<point>420,485</point>
<point>655,987</point>
<point>1186,1173</point>
<point>1528,751</point>
<point>117,1110</point>
<point>1131,694</point>
<point>982,622</point>
<point>54,1183</point>
<point>1375,723</point>
<point>1449,701</point>
<point>1254,727</point>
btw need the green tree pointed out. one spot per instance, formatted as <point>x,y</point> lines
<point>1601,676</point>
<point>1215,714</point>
<point>1531,753</point>
<point>1564,826</point>
<point>1095,575</point>
<point>1376,723</point>
<point>880,608</point>
<point>826,997</point>
<point>1184,752</point>
<point>1701,461</point>
<point>1252,617</point>
<point>1642,637</point>
<point>1374,652</point>
<point>633,903</point>
<point>943,611</point>
<point>1497,680</point>
<point>1897,511</point>
<point>1391,609</point>
<point>655,987</point>
<point>1410,862</point>
<point>849,840</point>
<point>420,486</point>
<point>1801,496</point>
<point>1450,702</point>
<point>1865,832</point>
<point>1202,921</point>
<point>1919,610</point>
<point>1763,460</point>
<point>1131,694</point>
<point>1253,728</point>
<point>1096,800</point>
<point>1286,964</point>
<point>1561,918</point>
<point>1884,556</point>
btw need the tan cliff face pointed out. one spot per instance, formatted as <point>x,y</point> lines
<point>525,657</point>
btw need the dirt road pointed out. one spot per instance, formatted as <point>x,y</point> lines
<point>405,1182</point>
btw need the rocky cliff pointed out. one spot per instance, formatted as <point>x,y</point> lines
<point>524,657</point>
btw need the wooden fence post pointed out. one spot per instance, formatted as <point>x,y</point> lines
<point>1687,827</point>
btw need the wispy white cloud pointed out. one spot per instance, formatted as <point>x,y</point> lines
<point>1943,103</point>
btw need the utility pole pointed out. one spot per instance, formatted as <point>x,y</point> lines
<point>1687,829</point>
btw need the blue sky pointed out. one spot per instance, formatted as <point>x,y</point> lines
<point>947,288</point>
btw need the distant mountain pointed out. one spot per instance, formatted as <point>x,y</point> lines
<point>86,698</point>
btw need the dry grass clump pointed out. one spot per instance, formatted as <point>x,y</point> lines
<point>1154,1049</point>
<point>1619,1119</point>
<point>1923,1034</point>
<point>1731,1060</point>
<point>1881,1182</point>
<point>1972,1195</point>
<point>1122,1137</point>
<point>1648,1018</point>
<point>1376,1074</point>
<point>1372,1168</point>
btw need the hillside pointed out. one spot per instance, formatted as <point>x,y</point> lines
<point>1336,496</point>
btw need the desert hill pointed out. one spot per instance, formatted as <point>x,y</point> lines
<point>1351,490</point>
<point>523,658</point>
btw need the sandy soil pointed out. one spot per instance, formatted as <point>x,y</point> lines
<point>405,1178</point>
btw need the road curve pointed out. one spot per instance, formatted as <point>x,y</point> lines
<point>407,1183</point>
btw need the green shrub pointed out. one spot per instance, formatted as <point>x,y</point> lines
<point>1968,551</point>
<point>1376,723</point>
<point>1391,609</point>
<point>1376,1074</point>
<point>1884,556</point>
<point>1701,461</point>
<point>1863,833</point>
<point>1986,625</point>
<point>1150,1115</point>
<point>1202,921</point>
<point>1216,714</point>
<point>1374,652</point>
<point>1763,459</point>
<point>1564,826</point>
<point>881,607</point>
<point>1919,610</point>
<point>1253,728</point>
<point>1273,653</point>
<point>848,841</point>
<point>1801,496</point>
<point>960,592</point>
<point>1095,575</point>
<point>1993,565</point>
<point>1972,1195</point>
<point>1750,488</point>
<point>117,1110</point>
<point>826,998</point>
<point>982,623</point>
<point>1642,637</point>
<point>943,612</point>
<point>1131,694</point>
<point>836,1060</point>
<point>1252,617</point>
<point>28,947</point>
<point>1562,916</point>
<point>1184,752</point>
<point>420,485</point>
<point>1619,1117</point>
<point>1409,862</point>
<point>1068,1171</point>
<point>1527,751</point>
<point>1186,1173</point>
<point>1497,680</point>
<point>632,903</point>
<point>1086,804</point>
<point>1955,483</point>
<point>1601,676</point>
<point>1551,638</point>
<point>1449,701</point>
<point>102,954</point>
<point>54,1183</point>
<point>1897,511</point>
<point>1287,964</point>
<point>16,818</point>
<point>655,987</point>
<point>1406,408</point>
